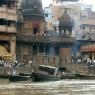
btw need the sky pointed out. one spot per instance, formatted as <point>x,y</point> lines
<point>91,2</point>
<point>46,2</point>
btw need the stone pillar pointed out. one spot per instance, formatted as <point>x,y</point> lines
<point>52,51</point>
<point>13,45</point>
<point>42,27</point>
<point>52,55</point>
<point>38,54</point>
<point>65,55</point>
<point>44,55</point>
<point>93,56</point>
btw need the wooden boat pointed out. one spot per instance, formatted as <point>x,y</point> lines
<point>83,76</point>
<point>18,78</point>
<point>5,76</point>
<point>46,73</point>
<point>25,74</point>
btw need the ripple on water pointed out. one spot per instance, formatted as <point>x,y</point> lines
<point>64,87</point>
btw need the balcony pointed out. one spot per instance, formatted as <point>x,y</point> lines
<point>46,39</point>
<point>12,17</point>
<point>10,14</point>
<point>2,28</point>
<point>88,21</point>
<point>3,15</point>
<point>11,29</point>
<point>3,9</point>
<point>11,11</point>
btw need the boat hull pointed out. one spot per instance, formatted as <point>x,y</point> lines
<point>25,74</point>
<point>5,76</point>
<point>19,78</point>
<point>44,77</point>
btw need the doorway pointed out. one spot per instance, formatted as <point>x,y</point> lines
<point>35,31</point>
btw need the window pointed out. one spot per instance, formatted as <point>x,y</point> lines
<point>56,51</point>
<point>2,22</point>
<point>46,15</point>
<point>83,27</point>
<point>41,49</point>
<point>47,50</point>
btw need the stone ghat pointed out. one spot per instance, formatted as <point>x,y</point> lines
<point>8,70</point>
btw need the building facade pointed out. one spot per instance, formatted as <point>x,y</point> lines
<point>83,18</point>
<point>35,44</point>
<point>31,24</point>
<point>8,23</point>
<point>88,34</point>
<point>48,18</point>
<point>74,11</point>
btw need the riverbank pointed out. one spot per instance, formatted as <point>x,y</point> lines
<point>8,70</point>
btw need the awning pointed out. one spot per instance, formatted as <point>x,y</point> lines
<point>5,54</point>
<point>88,48</point>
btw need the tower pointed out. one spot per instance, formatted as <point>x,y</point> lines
<point>33,17</point>
<point>30,24</point>
<point>65,24</point>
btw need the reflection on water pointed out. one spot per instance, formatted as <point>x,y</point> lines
<point>64,87</point>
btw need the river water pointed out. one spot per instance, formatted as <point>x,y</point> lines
<point>63,87</point>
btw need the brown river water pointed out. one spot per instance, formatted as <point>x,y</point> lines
<point>63,87</point>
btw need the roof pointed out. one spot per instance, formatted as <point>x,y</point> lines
<point>88,48</point>
<point>31,7</point>
<point>65,20</point>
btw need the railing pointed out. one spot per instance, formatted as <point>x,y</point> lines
<point>12,17</point>
<point>3,9</point>
<point>12,11</point>
<point>9,14</point>
<point>3,15</point>
<point>2,28</point>
<point>11,29</point>
<point>46,39</point>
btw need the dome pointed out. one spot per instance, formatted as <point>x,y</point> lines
<point>31,7</point>
<point>65,20</point>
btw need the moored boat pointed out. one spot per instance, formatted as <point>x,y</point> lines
<point>18,78</point>
<point>44,77</point>
<point>5,76</point>
<point>25,74</point>
<point>46,73</point>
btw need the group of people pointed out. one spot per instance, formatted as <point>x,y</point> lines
<point>90,62</point>
<point>84,60</point>
<point>14,64</point>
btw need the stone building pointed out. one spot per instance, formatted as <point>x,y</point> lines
<point>65,29</point>
<point>87,46</point>
<point>33,43</point>
<point>8,22</point>
<point>30,24</point>
<point>57,11</point>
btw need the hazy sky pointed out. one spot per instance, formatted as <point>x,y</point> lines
<point>47,2</point>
